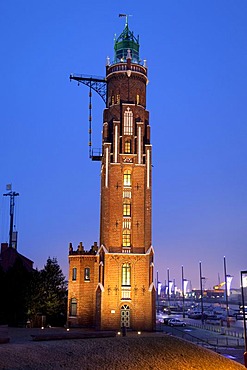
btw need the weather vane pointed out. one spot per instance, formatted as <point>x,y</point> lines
<point>126,17</point>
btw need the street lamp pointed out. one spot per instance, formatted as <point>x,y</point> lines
<point>183,289</point>
<point>157,295</point>
<point>226,294</point>
<point>244,290</point>
<point>168,290</point>
<point>201,278</point>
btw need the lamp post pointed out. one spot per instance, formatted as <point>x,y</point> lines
<point>168,290</point>
<point>244,285</point>
<point>200,270</point>
<point>157,295</point>
<point>183,290</point>
<point>226,294</point>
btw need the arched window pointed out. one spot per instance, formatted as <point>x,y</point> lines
<point>127,146</point>
<point>126,238</point>
<point>128,122</point>
<point>127,178</point>
<point>126,269</point>
<point>73,307</point>
<point>126,208</point>
<point>87,274</point>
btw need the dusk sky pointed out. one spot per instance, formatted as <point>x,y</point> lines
<point>196,54</point>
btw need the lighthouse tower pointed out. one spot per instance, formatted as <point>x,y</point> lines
<point>111,285</point>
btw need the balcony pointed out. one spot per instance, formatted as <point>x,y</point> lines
<point>126,293</point>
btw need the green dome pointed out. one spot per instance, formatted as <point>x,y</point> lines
<point>126,41</point>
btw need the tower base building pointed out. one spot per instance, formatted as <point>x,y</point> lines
<point>111,285</point>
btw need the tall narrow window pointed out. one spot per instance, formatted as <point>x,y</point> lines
<point>73,307</point>
<point>126,238</point>
<point>126,208</point>
<point>127,178</point>
<point>87,274</point>
<point>74,273</point>
<point>128,122</point>
<point>126,274</point>
<point>127,146</point>
<point>126,223</point>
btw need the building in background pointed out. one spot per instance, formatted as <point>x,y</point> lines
<point>111,285</point>
<point>9,256</point>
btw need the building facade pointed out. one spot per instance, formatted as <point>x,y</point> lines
<point>111,285</point>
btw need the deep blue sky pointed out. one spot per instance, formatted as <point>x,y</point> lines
<point>197,56</point>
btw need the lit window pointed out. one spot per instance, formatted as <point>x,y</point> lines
<point>126,238</point>
<point>128,122</point>
<point>73,307</point>
<point>118,99</point>
<point>126,274</point>
<point>74,273</point>
<point>112,99</point>
<point>126,224</point>
<point>127,178</point>
<point>127,146</point>
<point>87,274</point>
<point>126,194</point>
<point>126,208</point>
<point>137,99</point>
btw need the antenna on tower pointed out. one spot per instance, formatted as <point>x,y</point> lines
<point>12,234</point>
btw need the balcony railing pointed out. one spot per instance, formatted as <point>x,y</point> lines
<point>126,293</point>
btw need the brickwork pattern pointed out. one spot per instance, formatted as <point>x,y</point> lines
<point>100,301</point>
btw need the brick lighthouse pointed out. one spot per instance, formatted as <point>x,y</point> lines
<point>111,285</point>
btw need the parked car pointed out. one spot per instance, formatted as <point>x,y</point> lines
<point>176,322</point>
<point>166,320</point>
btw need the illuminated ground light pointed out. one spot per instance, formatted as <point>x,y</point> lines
<point>139,332</point>
<point>118,333</point>
<point>67,329</point>
<point>42,327</point>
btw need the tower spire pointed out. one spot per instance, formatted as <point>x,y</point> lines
<point>126,40</point>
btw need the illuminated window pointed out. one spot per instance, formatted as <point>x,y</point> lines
<point>127,146</point>
<point>128,122</point>
<point>126,208</point>
<point>126,194</point>
<point>137,99</point>
<point>126,238</point>
<point>87,274</point>
<point>112,99</point>
<point>126,224</point>
<point>126,274</point>
<point>73,307</point>
<point>127,178</point>
<point>74,273</point>
<point>118,99</point>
